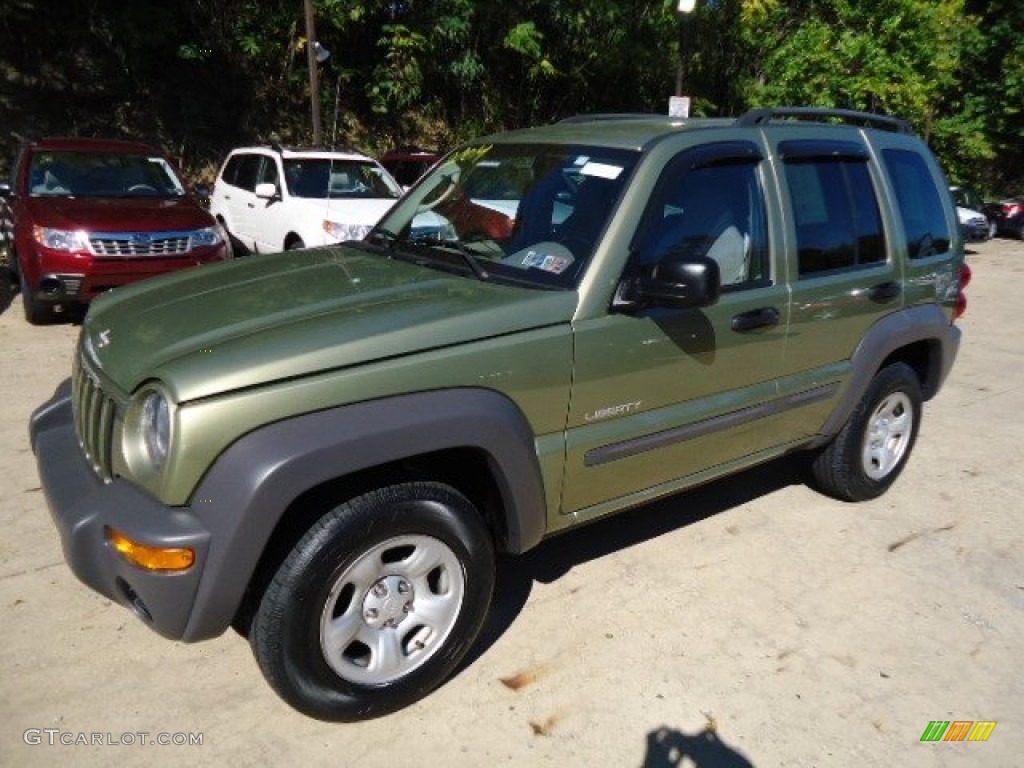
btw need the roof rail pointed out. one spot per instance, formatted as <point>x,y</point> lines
<point>870,119</point>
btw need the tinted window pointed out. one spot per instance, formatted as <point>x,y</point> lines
<point>838,225</point>
<point>709,203</point>
<point>248,169</point>
<point>268,172</point>
<point>919,204</point>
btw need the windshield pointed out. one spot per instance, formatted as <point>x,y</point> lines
<point>327,177</point>
<point>525,213</point>
<point>102,174</point>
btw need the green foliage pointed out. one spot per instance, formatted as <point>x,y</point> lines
<point>203,76</point>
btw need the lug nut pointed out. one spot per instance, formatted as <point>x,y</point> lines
<point>380,590</point>
<point>372,613</point>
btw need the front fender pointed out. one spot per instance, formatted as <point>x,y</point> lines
<point>245,493</point>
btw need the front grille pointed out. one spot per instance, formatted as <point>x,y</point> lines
<point>94,419</point>
<point>139,243</point>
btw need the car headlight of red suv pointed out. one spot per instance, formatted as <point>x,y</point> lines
<point>61,239</point>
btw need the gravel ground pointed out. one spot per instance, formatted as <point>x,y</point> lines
<point>749,623</point>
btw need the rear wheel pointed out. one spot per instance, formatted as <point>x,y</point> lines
<point>869,453</point>
<point>377,604</point>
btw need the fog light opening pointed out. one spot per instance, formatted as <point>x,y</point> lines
<point>133,601</point>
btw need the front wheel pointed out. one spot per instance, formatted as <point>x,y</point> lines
<point>36,312</point>
<point>869,453</point>
<point>377,604</point>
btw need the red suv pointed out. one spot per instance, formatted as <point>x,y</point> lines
<point>87,215</point>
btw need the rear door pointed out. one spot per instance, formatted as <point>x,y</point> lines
<point>847,274</point>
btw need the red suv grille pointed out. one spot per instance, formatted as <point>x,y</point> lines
<point>140,244</point>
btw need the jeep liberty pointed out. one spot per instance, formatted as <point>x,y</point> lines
<point>326,449</point>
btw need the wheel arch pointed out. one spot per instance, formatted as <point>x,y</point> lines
<point>922,337</point>
<point>271,485</point>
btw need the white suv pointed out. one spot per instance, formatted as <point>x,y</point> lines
<point>272,199</point>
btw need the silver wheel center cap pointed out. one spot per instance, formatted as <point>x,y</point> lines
<point>388,602</point>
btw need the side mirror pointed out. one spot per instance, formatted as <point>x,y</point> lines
<point>680,284</point>
<point>266,190</point>
<point>202,190</point>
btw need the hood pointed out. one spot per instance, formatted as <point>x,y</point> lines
<point>217,328</point>
<point>139,214</point>
<point>349,210</point>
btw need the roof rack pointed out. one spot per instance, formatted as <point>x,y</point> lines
<point>761,116</point>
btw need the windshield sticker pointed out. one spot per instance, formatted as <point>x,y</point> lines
<point>601,170</point>
<point>546,261</point>
<point>582,160</point>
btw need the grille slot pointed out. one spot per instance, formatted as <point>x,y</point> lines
<point>140,244</point>
<point>94,420</point>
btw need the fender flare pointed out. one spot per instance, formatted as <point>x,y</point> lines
<point>926,322</point>
<point>249,487</point>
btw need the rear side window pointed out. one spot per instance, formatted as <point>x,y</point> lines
<point>920,206</point>
<point>838,224</point>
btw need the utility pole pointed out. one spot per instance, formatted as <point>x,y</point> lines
<point>314,75</point>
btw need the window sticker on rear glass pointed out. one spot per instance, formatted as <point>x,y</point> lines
<point>602,170</point>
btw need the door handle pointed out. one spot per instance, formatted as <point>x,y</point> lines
<point>884,291</point>
<point>756,319</point>
<point>251,205</point>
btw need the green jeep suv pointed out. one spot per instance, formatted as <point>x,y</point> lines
<point>326,449</point>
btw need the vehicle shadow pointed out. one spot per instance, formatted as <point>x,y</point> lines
<point>555,557</point>
<point>667,748</point>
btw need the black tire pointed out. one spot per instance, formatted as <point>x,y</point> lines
<point>869,453</point>
<point>36,312</point>
<point>295,245</point>
<point>402,576</point>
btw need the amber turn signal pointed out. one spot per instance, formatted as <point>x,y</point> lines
<point>151,558</point>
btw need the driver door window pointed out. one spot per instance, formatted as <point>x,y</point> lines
<point>709,206</point>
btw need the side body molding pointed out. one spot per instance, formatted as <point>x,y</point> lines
<point>250,486</point>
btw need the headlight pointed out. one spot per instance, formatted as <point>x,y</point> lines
<point>156,428</point>
<point>149,431</point>
<point>61,239</point>
<point>341,231</point>
<point>206,236</point>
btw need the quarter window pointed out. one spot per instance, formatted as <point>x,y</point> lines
<point>920,207</point>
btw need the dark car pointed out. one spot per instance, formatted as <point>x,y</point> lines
<point>408,164</point>
<point>88,215</point>
<point>1009,217</point>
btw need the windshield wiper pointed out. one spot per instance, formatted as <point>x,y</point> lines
<point>434,240</point>
<point>471,260</point>
<point>383,238</point>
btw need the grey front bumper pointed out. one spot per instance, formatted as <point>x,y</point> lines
<point>85,509</point>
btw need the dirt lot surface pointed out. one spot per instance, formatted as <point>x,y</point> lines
<point>749,623</point>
